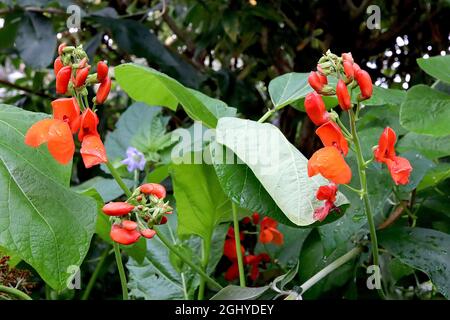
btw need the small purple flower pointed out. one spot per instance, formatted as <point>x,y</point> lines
<point>135,160</point>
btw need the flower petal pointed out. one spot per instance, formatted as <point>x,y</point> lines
<point>89,121</point>
<point>400,170</point>
<point>265,236</point>
<point>67,109</point>
<point>331,136</point>
<point>329,162</point>
<point>38,132</point>
<point>278,237</point>
<point>93,151</point>
<point>385,149</point>
<point>60,142</point>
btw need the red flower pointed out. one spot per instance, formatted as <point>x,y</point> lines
<point>385,149</point>
<point>399,167</point>
<point>62,79</point>
<point>331,136</point>
<point>89,123</point>
<point>327,194</point>
<point>58,136</point>
<point>124,236</point>
<point>67,110</point>
<point>343,95</point>
<point>254,262</point>
<point>93,151</point>
<point>269,232</point>
<point>329,162</point>
<point>229,248</point>
<point>315,108</point>
<point>148,233</point>
<point>232,272</point>
<point>348,70</point>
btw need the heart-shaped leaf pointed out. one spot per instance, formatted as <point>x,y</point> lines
<point>277,164</point>
<point>41,220</point>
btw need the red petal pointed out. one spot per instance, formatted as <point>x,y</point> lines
<point>232,272</point>
<point>331,136</point>
<point>265,236</point>
<point>400,170</point>
<point>93,151</point>
<point>385,149</point>
<point>60,142</point>
<point>329,162</point>
<point>268,223</point>
<point>89,122</point>
<point>38,132</point>
<point>278,237</point>
<point>67,109</point>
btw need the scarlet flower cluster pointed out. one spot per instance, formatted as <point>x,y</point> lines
<point>268,234</point>
<point>71,69</point>
<point>329,161</point>
<point>137,216</point>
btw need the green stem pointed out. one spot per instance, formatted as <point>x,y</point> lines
<point>118,179</point>
<point>330,268</point>
<point>205,260</point>
<point>123,278</point>
<point>266,115</point>
<point>15,292</point>
<point>94,275</point>
<point>343,128</point>
<point>359,192</point>
<point>186,260</point>
<point>237,238</point>
<point>365,196</point>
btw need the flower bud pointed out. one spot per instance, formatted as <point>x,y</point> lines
<point>348,70</point>
<point>57,65</point>
<point>103,91</point>
<point>365,84</point>
<point>148,233</point>
<point>117,208</point>
<point>315,108</point>
<point>343,95</point>
<point>317,81</point>
<point>124,236</point>
<point>62,79</point>
<point>347,57</point>
<point>129,225</point>
<point>154,189</point>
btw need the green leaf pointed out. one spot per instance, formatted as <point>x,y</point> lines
<point>437,67</point>
<point>435,176</point>
<point>381,96</point>
<point>140,126</point>
<point>233,292</point>
<point>288,88</point>
<point>156,88</point>
<point>159,174</point>
<point>36,40</point>
<point>423,249</point>
<point>42,220</point>
<point>430,146</point>
<point>420,165</point>
<point>426,111</point>
<point>201,202</point>
<point>277,164</point>
<point>108,189</point>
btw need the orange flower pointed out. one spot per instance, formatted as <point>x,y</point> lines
<point>58,136</point>
<point>399,167</point>
<point>269,232</point>
<point>329,162</point>
<point>331,136</point>
<point>67,110</point>
<point>93,151</point>
<point>385,149</point>
<point>327,194</point>
<point>400,170</point>
<point>88,126</point>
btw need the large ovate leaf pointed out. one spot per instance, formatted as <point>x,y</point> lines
<point>437,67</point>
<point>233,292</point>
<point>289,87</point>
<point>426,111</point>
<point>430,146</point>
<point>201,202</point>
<point>36,40</point>
<point>423,249</point>
<point>277,164</point>
<point>41,220</point>
<point>435,175</point>
<point>108,189</point>
<point>156,88</point>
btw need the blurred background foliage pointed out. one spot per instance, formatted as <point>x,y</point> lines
<point>227,49</point>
